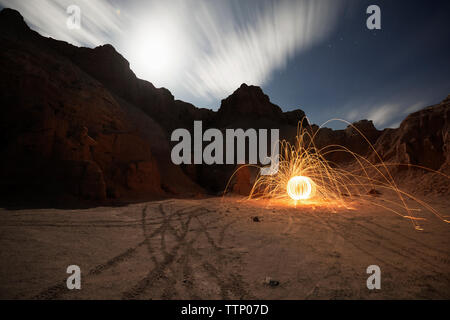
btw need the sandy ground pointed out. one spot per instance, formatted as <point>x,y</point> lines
<point>212,249</point>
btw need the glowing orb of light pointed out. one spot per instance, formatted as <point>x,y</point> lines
<point>300,188</point>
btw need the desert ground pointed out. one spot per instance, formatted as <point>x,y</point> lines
<point>215,248</point>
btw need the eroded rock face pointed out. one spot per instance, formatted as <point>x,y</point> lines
<point>364,128</point>
<point>251,104</point>
<point>110,68</point>
<point>247,102</point>
<point>78,121</point>
<point>419,150</point>
<point>87,105</point>
<point>422,139</point>
<point>63,132</point>
<point>359,138</point>
<point>243,181</point>
<point>140,173</point>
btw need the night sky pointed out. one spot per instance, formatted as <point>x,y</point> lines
<point>356,72</point>
<point>315,55</point>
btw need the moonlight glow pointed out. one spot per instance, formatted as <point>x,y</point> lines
<point>299,188</point>
<point>155,50</point>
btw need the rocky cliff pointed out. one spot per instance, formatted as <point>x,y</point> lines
<point>70,126</point>
<point>77,122</point>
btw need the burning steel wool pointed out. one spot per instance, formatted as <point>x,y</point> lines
<point>300,188</point>
<point>306,178</point>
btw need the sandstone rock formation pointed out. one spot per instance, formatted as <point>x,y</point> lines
<point>249,104</point>
<point>77,122</point>
<point>65,132</point>
<point>243,181</point>
<point>422,138</point>
<point>358,137</point>
<point>420,149</point>
<point>85,108</point>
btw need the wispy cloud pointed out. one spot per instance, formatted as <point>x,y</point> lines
<point>383,115</point>
<point>251,50</point>
<point>100,20</point>
<point>207,48</point>
<point>415,107</point>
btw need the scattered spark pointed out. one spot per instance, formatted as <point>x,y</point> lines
<point>306,178</point>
